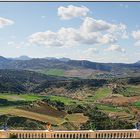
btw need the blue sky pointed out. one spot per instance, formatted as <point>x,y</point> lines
<point>95,31</point>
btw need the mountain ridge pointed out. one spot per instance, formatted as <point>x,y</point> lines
<point>71,66</point>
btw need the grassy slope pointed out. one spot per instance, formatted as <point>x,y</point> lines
<point>31,115</point>
<point>65,100</point>
<point>24,97</point>
<point>13,110</point>
<point>71,118</point>
<point>131,90</point>
<point>108,108</point>
<point>137,104</point>
<point>99,94</point>
<point>55,72</point>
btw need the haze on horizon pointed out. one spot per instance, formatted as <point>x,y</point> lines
<point>95,31</point>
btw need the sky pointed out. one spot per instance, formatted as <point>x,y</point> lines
<point>95,31</point>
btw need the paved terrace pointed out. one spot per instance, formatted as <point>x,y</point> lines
<point>83,134</point>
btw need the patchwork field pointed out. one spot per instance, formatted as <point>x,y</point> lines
<point>66,107</point>
<point>19,97</point>
<point>81,73</point>
<point>41,111</point>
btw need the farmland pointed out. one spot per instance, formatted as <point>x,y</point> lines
<point>39,99</point>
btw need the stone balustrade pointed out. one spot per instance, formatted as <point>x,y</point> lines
<point>82,134</point>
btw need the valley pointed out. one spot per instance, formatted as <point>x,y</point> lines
<point>59,95</point>
<point>63,106</point>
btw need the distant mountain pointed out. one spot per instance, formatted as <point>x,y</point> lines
<point>138,62</point>
<point>61,59</point>
<point>23,57</point>
<point>3,62</point>
<point>64,59</point>
<point>50,58</point>
<point>3,59</point>
<point>71,66</point>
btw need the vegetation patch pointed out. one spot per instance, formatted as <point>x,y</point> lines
<point>127,90</point>
<point>16,122</point>
<point>137,104</point>
<point>32,115</point>
<point>99,94</point>
<point>73,118</point>
<point>64,100</point>
<point>20,97</point>
<point>108,108</point>
<point>98,120</point>
<point>55,72</point>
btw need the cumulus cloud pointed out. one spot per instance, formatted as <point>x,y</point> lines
<point>136,36</point>
<point>106,32</point>
<point>115,47</point>
<point>93,25</point>
<point>137,44</point>
<point>5,22</point>
<point>47,39</point>
<point>71,11</point>
<point>90,32</point>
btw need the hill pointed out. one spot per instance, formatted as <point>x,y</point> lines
<point>21,81</point>
<point>38,98</point>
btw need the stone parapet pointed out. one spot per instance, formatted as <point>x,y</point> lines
<point>83,134</point>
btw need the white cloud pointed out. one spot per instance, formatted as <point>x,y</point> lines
<point>71,11</point>
<point>90,32</point>
<point>106,32</point>
<point>136,36</point>
<point>115,48</point>
<point>47,39</point>
<point>137,44</point>
<point>5,22</point>
<point>93,25</point>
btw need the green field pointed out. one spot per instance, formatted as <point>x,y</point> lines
<point>16,111</point>
<point>33,97</point>
<point>29,114</point>
<point>108,108</point>
<point>137,104</point>
<point>54,72</point>
<point>99,94</point>
<point>19,97</point>
<point>72,118</point>
<point>65,100</point>
<point>131,90</point>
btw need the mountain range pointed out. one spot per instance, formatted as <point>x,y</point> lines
<point>71,68</point>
